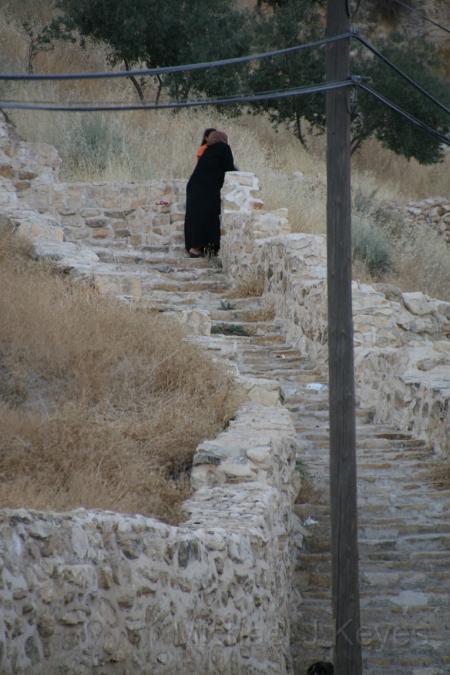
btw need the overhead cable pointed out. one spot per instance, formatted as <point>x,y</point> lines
<point>411,118</point>
<point>297,91</point>
<point>400,72</point>
<point>224,62</point>
<point>164,70</point>
<point>228,100</point>
<point>422,14</point>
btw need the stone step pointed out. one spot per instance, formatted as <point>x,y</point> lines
<point>404,526</point>
<point>246,328</point>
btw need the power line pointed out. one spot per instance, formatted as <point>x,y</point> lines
<point>232,61</point>
<point>164,70</point>
<point>408,116</point>
<point>400,72</point>
<point>422,14</point>
<point>229,100</point>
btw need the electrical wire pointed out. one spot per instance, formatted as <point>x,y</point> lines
<point>411,118</point>
<point>228,100</point>
<point>164,70</point>
<point>400,72</point>
<point>422,14</point>
<point>297,91</point>
<point>225,62</point>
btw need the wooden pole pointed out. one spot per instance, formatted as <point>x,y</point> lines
<point>344,531</point>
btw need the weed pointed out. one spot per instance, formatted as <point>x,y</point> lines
<point>370,246</point>
<point>229,329</point>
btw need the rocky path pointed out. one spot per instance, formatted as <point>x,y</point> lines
<point>404,522</point>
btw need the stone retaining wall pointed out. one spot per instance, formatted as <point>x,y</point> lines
<point>86,592</point>
<point>148,213</point>
<point>34,203</point>
<point>434,212</point>
<point>402,351</point>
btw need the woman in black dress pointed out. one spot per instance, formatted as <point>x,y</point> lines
<point>202,221</point>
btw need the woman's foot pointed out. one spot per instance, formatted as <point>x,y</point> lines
<point>195,252</point>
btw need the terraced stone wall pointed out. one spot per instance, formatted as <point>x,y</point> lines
<point>146,213</point>
<point>434,212</point>
<point>402,350</point>
<point>86,592</point>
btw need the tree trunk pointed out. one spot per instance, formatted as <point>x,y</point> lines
<point>31,54</point>
<point>160,86</point>
<point>298,129</point>
<point>134,82</point>
<point>357,141</point>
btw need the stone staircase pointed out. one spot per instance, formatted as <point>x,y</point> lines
<point>404,522</point>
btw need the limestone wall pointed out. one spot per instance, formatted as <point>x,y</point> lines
<point>142,213</point>
<point>434,212</point>
<point>88,592</point>
<point>34,203</point>
<point>402,351</point>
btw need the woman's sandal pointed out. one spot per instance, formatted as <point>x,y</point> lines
<point>195,255</point>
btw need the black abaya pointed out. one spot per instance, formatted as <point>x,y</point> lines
<point>202,221</point>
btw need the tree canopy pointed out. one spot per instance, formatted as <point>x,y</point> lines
<point>173,32</point>
<point>164,33</point>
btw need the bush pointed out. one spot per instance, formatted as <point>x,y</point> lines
<point>92,144</point>
<point>370,246</point>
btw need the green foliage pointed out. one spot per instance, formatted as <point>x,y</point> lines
<point>374,119</point>
<point>290,22</point>
<point>370,245</point>
<point>165,33</point>
<point>173,32</point>
<point>229,329</point>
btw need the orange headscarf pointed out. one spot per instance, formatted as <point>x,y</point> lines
<point>201,150</point>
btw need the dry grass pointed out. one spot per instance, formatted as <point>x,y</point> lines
<point>251,287</point>
<point>266,313</point>
<point>422,262</point>
<point>100,406</point>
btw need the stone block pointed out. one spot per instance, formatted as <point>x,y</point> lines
<point>7,170</point>
<point>21,185</point>
<point>96,222</point>
<point>25,174</point>
<point>161,219</point>
<point>101,233</point>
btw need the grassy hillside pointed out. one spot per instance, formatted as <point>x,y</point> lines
<point>100,406</point>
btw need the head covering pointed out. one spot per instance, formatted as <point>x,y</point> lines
<point>206,133</point>
<point>217,137</point>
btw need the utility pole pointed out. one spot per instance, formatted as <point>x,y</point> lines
<point>344,525</point>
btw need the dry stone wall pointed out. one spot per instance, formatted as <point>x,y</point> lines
<point>434,212</point>
<point>402,346</point>
<point>88,592</point>
<point>148,213</point>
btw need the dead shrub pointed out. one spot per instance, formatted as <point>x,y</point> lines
<point>100,406</point>
<point>248,287</point>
